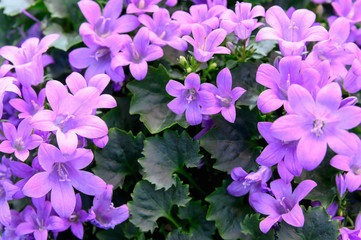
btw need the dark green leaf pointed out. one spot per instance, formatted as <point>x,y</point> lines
<point>228,212</point>
<point>178,234</point>
<point>149,205</point>
<point>250,227</point>
<point>195,213</point>
<point>66,40</point>
<point>167,155</point>
<point>13,7</point>
<point>262,48</point>
<point>150,101</point>
<point>318,226</point>
<point>230,143</point>
<point>125,230</point>
<point>119,157</point>
<point>245,76</point>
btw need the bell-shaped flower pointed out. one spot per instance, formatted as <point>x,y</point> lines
<point>19,141</point>
<point>291,33</point>
<point>7,190</point>
<point>103,214</point>
<point>30,104</point>
<point>285,204</point>
<point>62,173</point>
<point>225,96</point>
<point>142,6</point>
<point>317,124</point>
<point>206,45</point>
<point>352,234</point>
<point>7,85</point>
<point>164,31</point>
<point>349,9</point>
<point>137,53</point>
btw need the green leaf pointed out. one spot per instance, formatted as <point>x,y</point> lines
<point>125,230</point>
<point>66,40</point>
<point>230,143</point>
<point>14,7</point>
<point>228,212</point>
<point>250,227</point>
<point>195,213</point>
<point>324,176</point>
<point>150,100</point>
<point>56,8</point>
<point>119,157</point>
<point>178,234</point>
<point>149,204</point>
<point>318,226</point>
<point>167,155</point>
<point>262,48</point>
<point>244,75</point>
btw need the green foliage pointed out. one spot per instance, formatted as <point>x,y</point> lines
<point>66,40</point>
<point>149,204</point>
<point>167,155</point>
<point>150,101</point>
<point>125,230</point>
<point>230,143</point>
<point>250,227</point>
<point>14,7</point>
<point>118,158</point>
<point>318,226</point>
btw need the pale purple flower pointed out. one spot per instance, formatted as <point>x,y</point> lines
<point>7,85</point>
<point>39,222</point>
<point>199,14</point>
<point>212,3</point>
<point>317,124</point>
<point>99,27</point>
<point>5,172</point>
<point>137,53</point>
<point>291,33</point>
<point>352,79</point>
<point>20,140</point>
<point>164,31</point>
<point>97,57</point>
<point>225,96</point>
<point>103,214</point>
<point>244,182</point>
<point>189,98</point>
<point>71,115</point>
<point>7,190</point>
<point>30,104</point>
<point>142,6</point>
<point>354,234</point>
<point>349,9</point>
<point>206,45</point>
<point>242,21</point>
<point>62,173</point>
<point>9,231</point>
<point>284,206</point>
<point>28,60</point>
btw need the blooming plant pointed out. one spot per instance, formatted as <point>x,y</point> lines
<point>193,119</point>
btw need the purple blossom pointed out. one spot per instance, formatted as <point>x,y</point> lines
<point>28,60</point>
<point>242,21</point>
<point>100,27</point>
<point>291,33</point>
<point>317,124</point>
<point>205,45</point>
<point>352,80</point>
<point>7,190</point>
<point>62,173</point>
<point>252,182</point>
<point>348,234</point>
<point>212,3</point>
<point>7,85</point>
<point>225,97</point>
<point>284,206</point>
<point>31,103</point>
<point>5,172</point>
<point>189,98</point>
<point>103,214</point>
<point>349,9</point>
<point>142,6</point>
<point>71,115</point>
<point>341,184</point>
<point>137,53</point>
<point>19,141</point>
<point>163,31</point>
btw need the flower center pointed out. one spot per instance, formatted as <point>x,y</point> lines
<point>40,224</point>
<point>2,192</point>
<point>224,101</point>
<point>141,4</point>
<point>283,204</point>
<point>35,107</point>
<point>64,122</point>
<point>102,54</point>
<point>63,173</point>
<point>318,126</point>
<point>135,54</point>
<point>191,95</point>
<point>293,28</point>
<point>162,35</point>
<point>74,218</point>
<point>19,144</point>
<point>102,27</point>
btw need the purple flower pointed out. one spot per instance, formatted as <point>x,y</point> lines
<point>205,45</point>
<point>61,174</point>
<point>142,6</point>
<point>70,116</point>
<point>103,214</point>
<point>5,172</point>
<point>349,9</point>
<point>28,60</point>
<point>97,57</point>
<point>19,141</point>
<point>212,3</point>
<point>352,80</point>
<point>163,31</point>
<point>189,98</point>
<point>341,184</point>
<point>348,234</point>
<point>39,222</point>
<point>317,124</point>
<point>284,206</point>
<point>100,27</point>
<point>291,33</point>
<point>137,53</point>
<point>7,190</point>
<point>7,85</point>
<point>252,182</point>
<point>225,97</point>
<point>242,21</point>
<point>31,103</point>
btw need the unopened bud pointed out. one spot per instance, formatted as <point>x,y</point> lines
<point>231,47</point>
<point>189,70</point>
<point>213,66</point>
<point>182,61</point>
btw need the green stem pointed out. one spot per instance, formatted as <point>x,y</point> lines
<point>172,220</point>
<point>190,179</point>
